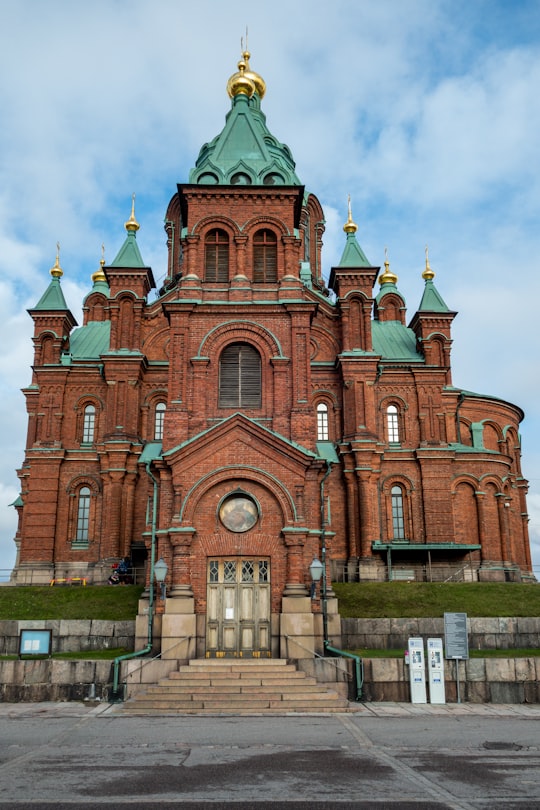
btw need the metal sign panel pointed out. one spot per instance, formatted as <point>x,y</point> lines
<point>456,639</point>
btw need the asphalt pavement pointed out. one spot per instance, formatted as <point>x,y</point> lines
<point>384,755</point>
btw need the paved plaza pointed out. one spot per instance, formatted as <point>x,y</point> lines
<point>385,755</point>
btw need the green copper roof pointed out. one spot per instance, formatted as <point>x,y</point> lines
<point>432,300</point>
<point>129,254</point>
<point>91,341</point>
<point>393,341</point>
<point>52,298</point>
<point>353,255</point>
<point>245,152</point>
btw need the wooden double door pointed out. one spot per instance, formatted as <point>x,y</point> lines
<point>238,607</point>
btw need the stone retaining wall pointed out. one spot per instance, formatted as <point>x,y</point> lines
<point>484,634</point>
<point>482,680</point>
<point>70,635</point>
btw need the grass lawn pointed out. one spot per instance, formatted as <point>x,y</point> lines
<point>420,600</point>
<point>119,603</point>
<point>364,599</point>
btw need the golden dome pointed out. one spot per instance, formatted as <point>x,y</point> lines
<point>350,226</point>
<point>387,277</point>
<point>99,275</point>
<point>428,273</point>
<point>239,83</point>
<point>56,271</point>
<point>132,224</point>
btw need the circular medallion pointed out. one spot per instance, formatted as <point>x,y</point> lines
<point>238,513</point>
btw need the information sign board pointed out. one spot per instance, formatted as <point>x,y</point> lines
<point>456,639</point>
<point>35,642</point>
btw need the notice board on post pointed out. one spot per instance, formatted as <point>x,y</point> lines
<point>456,638</point>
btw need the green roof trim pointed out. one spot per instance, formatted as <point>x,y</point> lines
<point>129,254</point>
<point>151,452</point>
<point>245,152</point>
<point>52,298</point>
<point>91,341</point>
<point>432,300</point>
<point>353,255</point>
<point>327,450</point>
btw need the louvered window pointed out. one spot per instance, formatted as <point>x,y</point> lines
<point>240,377</point>
<point>265,256</point>
<point>216,256</point>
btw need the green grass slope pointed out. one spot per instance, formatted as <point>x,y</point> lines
<point>431,600</point>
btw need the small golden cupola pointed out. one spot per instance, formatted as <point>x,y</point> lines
<point>56,271</point>
<point>387,277</point>
<point>428,274</point>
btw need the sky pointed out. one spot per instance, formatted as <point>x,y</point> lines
<point>427,112</point>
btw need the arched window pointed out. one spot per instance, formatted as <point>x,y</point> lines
<point>83,516</point>
<point>240,377</point>
<point>265,256</point>
<point>159,419</point>
<point>216,256</point>
<point>392,424</point>
<point>89,424</point>
<point>322,422</point>
<point>398,515</point>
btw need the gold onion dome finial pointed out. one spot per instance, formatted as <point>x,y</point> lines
<point>428,273</point>
<point>387,277</point>
<point>99,275</point>
<point>350,226</point>
<point>132,224</point>
<point>239,83</point>
<point>56,271</point>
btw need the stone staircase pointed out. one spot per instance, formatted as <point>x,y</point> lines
<point>236,687</point>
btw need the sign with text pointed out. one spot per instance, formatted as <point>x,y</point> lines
<point>456,639</point>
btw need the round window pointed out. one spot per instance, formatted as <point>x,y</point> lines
<point>238,513</point>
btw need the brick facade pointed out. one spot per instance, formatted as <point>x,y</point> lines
<point>420,472</point>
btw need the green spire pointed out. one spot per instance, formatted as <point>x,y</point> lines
<point>353,255</point>
<point>245,152</point>
<point>53,297</point>
<point>432,300</point>
<point>129,254</point>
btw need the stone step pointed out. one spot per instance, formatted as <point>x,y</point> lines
<point>224,686</point>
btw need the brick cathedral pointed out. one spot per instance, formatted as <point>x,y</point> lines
<point>250,417</point>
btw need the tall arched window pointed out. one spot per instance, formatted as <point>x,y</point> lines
<point>216,256</point>
<point>265,256</point>
<point>322,422</point>
<point>392,424</point>
<point>159,419</point>
<point>240,377</point>
<point>83,516</point>
<point>398,515</point>
<point>89,424</point>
